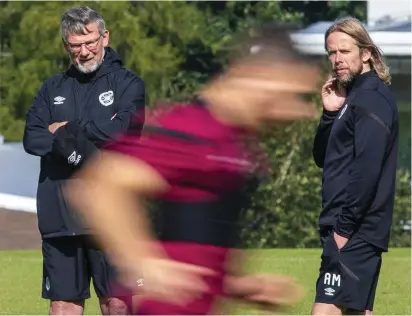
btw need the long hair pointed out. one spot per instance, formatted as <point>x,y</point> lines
<point>354,28</point>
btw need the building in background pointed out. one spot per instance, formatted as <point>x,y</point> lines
<point>384,10</point>
<point>389,24</point>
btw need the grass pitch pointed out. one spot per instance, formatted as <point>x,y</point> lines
<point>21,271</point>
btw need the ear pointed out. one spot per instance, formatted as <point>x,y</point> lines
<point>366,54</point>
<point>65,46</point>
<point>106,37</point>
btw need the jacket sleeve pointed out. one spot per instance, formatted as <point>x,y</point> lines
<point>71,144</point>
<point>132,102</point>
<point>67,142</point>
<point>322,136</point>
<point>371,139</point>
<point>37,140</point>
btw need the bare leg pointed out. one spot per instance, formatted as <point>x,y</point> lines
<point>66,308</point>
<point>355,312</point>
<point>322,309</point>
<point>113,306</point>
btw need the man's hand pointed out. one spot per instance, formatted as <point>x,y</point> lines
<point>333,95</point>
<point>53,127</point>
<point>268,293</point>
<point>167,280</point>
<point>340,241</point>
<point>276,290</point>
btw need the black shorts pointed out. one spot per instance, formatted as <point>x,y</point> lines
<point>348,277</point>
<point>69,263</point>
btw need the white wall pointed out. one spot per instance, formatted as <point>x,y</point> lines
<point>19,171</point>
<point>19,174</point>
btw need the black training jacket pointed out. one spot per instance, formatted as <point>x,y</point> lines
<point>98,107</point>
<point>357,148</point>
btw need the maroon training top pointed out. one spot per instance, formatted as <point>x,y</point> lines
<point>205,163</point>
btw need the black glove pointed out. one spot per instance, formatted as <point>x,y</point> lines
<point>71,144</point>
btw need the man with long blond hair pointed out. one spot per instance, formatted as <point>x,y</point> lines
<point>356,144</point>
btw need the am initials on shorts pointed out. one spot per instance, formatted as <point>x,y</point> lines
<point>331,279</point>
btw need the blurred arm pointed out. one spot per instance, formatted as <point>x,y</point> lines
<point>107,201</point>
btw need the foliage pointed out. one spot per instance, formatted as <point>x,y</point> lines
<point>401,224</point>
<point>175,47</point>
<point>285,209</point>
<point>291,199</point>
<point>314,11</point>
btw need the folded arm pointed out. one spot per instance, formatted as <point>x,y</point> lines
<point>116,216</point>
<point>132,102</point>
<point>37,139</point>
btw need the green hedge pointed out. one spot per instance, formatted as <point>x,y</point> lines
<point>287,205</point>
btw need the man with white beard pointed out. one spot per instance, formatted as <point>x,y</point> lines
<point>73,115</point>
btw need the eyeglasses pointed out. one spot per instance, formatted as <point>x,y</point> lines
<point>90,45</point>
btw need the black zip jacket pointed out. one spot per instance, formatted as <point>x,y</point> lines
<point>357,149</point>
<point>98,107</point>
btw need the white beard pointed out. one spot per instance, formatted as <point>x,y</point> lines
<point>90,68</point>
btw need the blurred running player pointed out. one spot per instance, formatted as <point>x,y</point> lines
<point>195,160</point>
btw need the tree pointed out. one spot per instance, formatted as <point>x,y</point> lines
<point>175,47</point>
<point>147,37</point>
